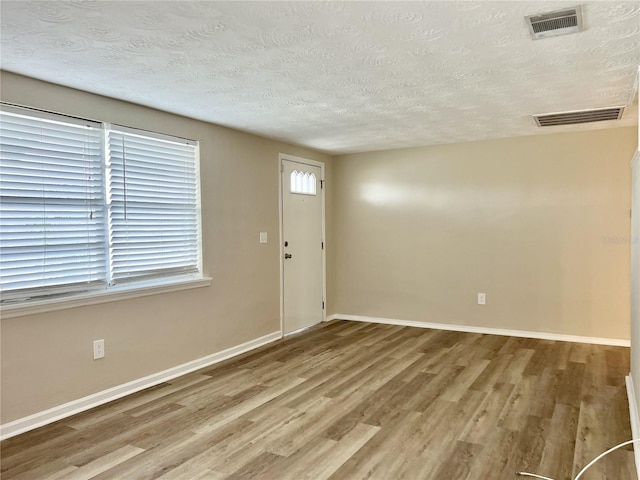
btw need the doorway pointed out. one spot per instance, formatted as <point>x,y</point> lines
<point>302,243</point>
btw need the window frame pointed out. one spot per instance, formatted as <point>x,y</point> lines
<point>46,301</point>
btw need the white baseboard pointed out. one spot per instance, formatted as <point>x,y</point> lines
<point>488,330</point>
<point>59,412</point>
<point>635,419</point>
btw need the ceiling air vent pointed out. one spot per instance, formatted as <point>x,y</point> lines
<point>552,24</point>
<point>579,116</point>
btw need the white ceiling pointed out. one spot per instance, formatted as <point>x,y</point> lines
<point>336,76</point>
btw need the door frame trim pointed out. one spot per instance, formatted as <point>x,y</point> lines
<point>313,163</point>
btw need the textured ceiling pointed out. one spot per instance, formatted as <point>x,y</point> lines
<point>337,76</point>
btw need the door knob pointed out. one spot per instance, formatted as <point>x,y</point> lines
<point>287,255</point>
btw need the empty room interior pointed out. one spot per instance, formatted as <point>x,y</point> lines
<point>319,240</point>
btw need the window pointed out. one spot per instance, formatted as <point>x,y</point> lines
<point>303,182</point>
<point>153,214</point>
<point>86,206</point>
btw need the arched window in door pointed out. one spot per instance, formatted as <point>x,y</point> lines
<point>303,183</point>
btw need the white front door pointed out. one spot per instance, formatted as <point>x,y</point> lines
<point>302,244</point>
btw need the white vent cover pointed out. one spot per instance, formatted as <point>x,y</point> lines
<point>579,116</point>
<point>552,24</point>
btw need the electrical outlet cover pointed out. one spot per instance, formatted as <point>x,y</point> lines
<point>98,349</point>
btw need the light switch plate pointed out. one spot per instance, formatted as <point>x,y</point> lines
<point>263,237</point>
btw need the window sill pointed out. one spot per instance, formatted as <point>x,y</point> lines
<point>92,298</point>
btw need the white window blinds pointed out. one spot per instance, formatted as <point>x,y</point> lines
<point>51,205</point>
<point>153,206</point>
<point>86,206</point>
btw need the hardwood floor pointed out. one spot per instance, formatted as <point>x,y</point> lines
<point>349,400</point>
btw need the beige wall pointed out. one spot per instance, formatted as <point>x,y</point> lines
<point>635,288</point>
<point>635,280</point>
<point>47,358</point>
<point>419,232</point>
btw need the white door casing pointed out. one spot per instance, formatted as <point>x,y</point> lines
<point>302,242</point>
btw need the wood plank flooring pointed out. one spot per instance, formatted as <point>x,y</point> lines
<point>348,400</point>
